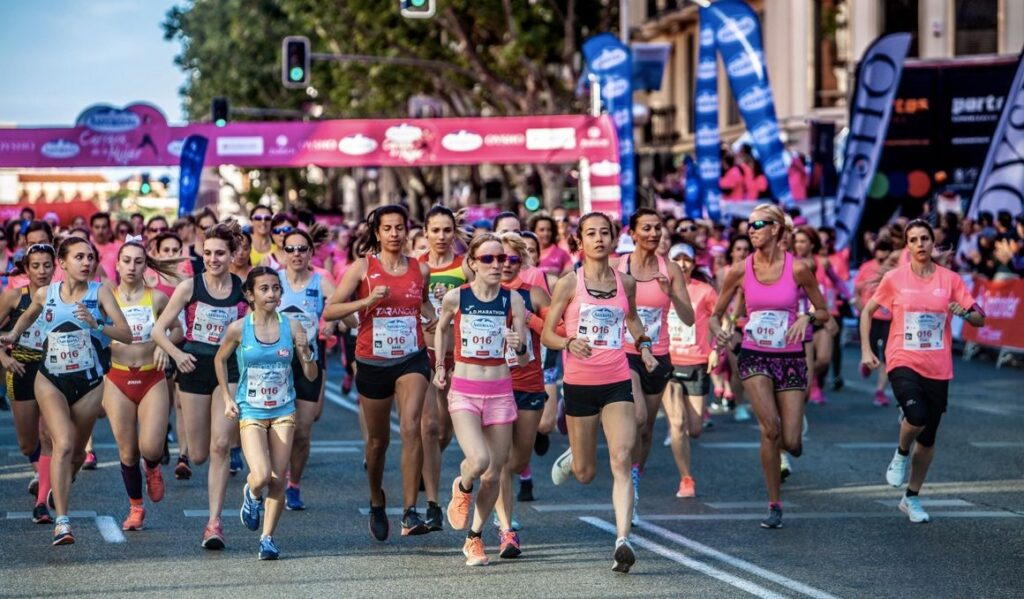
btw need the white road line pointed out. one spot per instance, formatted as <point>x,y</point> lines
<point>825,516</point>
<point>740,505</point>
<point>197,513</point>
<point>28,515</point>
<point>929,502</point>
<point>342,449</point>
<point>996,444</point>
<point>334,396</point>
<point>354,442</point>
<point>879,445</point>
<point>731,445</point>
<point>573,507</point>
<point>109,529</point>
<point>736,562</point>
<point>730,579</point>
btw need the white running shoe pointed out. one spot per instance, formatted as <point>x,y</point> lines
<point>911,506</point>
<point>785,468</point>
<point>896,473</point>
<point>561,470</point>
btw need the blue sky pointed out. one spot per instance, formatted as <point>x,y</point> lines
<point>61,56</point>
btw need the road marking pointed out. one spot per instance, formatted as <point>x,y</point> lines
<point>733,445</point>
<point>28,515</point>
<point>740,505</point>
<point>886,445</point>
<point>679,558</point>
<point>197,513</point>
<point>341,449</point>
<point>574,507</point>
<point>391,511</point>
<point>334,396</point>
<point>735,562</point>
<point>109,529</point>
<point>353,442</point>
<point>825,516</point>
<point>929,502</point>
<point>996,444</point>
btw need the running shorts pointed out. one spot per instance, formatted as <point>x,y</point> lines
<point>305,389</point>
<point>589,400</point>
<point>491,401</point>
<point>922,399</point>
<point>378,382</point>
<point>203,380</point>
<point>694,379</point>
<point>787,370</point>
<point>530,400</point>
<point>135,383</point>
<point>654,382</point>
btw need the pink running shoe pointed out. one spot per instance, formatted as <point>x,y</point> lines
<point>881,400</point>
<point>817,397</point>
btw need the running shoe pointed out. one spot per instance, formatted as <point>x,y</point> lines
<point>525,490</point>
<point>911,506</point>
<point>516,526</point>
<point>708,423</point>
<point>412,524</point>
<point>774,519</point>
<point>41,515</point>
<point>183,471</point>
<point>293,499</point>
<point>880,400</point>
<point>435,517</point>
<point>473,549</point>
<point>742,413</point>
<point>624,556</point>
<point>33,485</point>
<point>508,547</point>
<point>561,470</point>
<point>817,396</point>
<point>380,528</point>
<point>458,507</point>
<point>62,534</point>
<point>251,509</point>
<point>896,473</point>
<point>236,461</point>
<point>541,444</point>
<point>90,461</point>
<point>154,484</point>
<point>213,536</point>
<point>838,383</point>
<point>268,548</point>
<point>687,488</point>
<point>668,440</point>
<point>718,407</point>
<point>785,468</point>
<point>136,514</point>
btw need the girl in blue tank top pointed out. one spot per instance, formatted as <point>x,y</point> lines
<point>264,343</point>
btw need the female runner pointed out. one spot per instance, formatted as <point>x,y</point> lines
<point>807,247</point>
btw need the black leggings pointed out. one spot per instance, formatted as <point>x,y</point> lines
<point>923,401</point>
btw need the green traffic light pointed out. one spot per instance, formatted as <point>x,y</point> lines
<point>296,74</point>
<point>144,188</point>
<point>532,203</point>
<point>220,122</point>
<point>418,3</point>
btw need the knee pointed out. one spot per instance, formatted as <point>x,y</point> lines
<point>621,459</point>
<point>377,446</point>
<point>129,455</point>
<point>695,429</point>
<point>430,429</point>
<point>410,433</point>
<point>477,465</point>
<point>220,447</point>
<point>795,447</point>
<point>259,477</point>
<point>275,485</point>
<point>302,438</point>
<point>586,474</point>
<point>63,449</point>
<point>770,432</point>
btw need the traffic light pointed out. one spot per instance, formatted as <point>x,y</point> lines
<point>531,203</point>
<point>418,9</point>
<point>144,185</point>
<point>220,111</point>
<point>295,62</point>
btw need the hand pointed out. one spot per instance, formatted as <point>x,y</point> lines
<point>440,376</point>
<point>160,358</point>
<point>186,362</point>
<point>868,358</point>
<point>377,294</point>
<point>832,327</point>
<point>230,409</point>
<point>328,329</point>
<point>12,365</point>
<point>650,362</point>
<point>957,309</point>
<point>301,340</point>
<point>431,325</point>
<point>82,313</point>
<point>579,347</point>
<point>9,338</point>
<point>712,361</point>
<point>513,340</point>
<point>795,333</point>
<point>723,338</point>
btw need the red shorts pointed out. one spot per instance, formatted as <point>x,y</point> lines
<point>135,383</point>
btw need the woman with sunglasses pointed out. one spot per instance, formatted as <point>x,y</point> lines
<point>280,225</point>
<point>26,354</point>
<point>448,271</point>
<point>211,301</point>
<point>772,364</point>
<point>818,340</point>
<point>598,303</point>
<point>390,295</point>
<point>660,287</point>
<point>304,292</point>
<point>156,225</point>
<point>135,397</point>
<point>489,322</point>
<point>259,218</point>
<point>68,387</point>
<point>923,298</point>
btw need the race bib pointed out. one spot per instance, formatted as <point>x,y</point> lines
<point>602,326</point>
<point>483,336</point>
<point>767,328</point>
<point>394,336</point>
<point>679,332</point>
<point>33,337</point>
<point>140,321</point>
<point>68,352</point>
<point>268,385</point>
<point>923,331</point>
<point>211,322</point>
<point>651,317</point>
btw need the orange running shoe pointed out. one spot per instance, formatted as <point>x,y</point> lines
<point>458,507</point>
<point>154,484</point>
<point>136,514</point>
<point>686,488</point>
<point>474,552</point>
<point>213,536</point>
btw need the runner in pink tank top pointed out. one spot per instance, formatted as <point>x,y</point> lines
<point>771,363</point>
<point>597,303</point>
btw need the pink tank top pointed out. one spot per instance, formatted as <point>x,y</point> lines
<point>771,309</point>
<point>652,305</point>
<point>601,322</point>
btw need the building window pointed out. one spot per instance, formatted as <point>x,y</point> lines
<point>902,16</point>
<point>829,63</point>
<point>976,27</point>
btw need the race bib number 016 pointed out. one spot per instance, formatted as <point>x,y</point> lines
<point>483,336</point>
<point>68,352</point>
<point>140,321</point>
<point>602,326</point>
<point>923,331</point>
<point>211,322</point>
<point>268,385</point>
<point>394,336</point>
<point>679,332</point>
<point>767,328</point>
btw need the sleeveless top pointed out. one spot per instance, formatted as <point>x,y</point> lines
<point>70,346</point>
<point>391,331</point>
<point>29,347</point>
<point>480,327</point>
<point>771,309</point>
<point>207,317</point>
<point>602,323</point>
<point>141,317</point>
<point>266,388</point>
<point>305,306</point>
<point>652,306</point>
<point>444,277</point>
<point>535,277</point>
<point>529,378</point>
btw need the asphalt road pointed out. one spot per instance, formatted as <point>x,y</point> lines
<point>843,535</point>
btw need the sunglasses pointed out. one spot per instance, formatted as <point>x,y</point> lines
<point>157,230</point>
<point>513,260</point>
<point>757,225</point>
<point>262,217</point>
<point>688,229</point>
<point>492,258</point>
<point>291,249</point>
<point>280,230</point>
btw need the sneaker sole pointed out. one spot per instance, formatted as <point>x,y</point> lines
<point>295,509</point>
<point>131,528</point>
<point>483,561</point>
<point>510,552</point>
<point>269,558</point>
<point>213,543</point>
<point>46,520</point>
<point>686,495</point>
<point>624,560</point>
<point>65,540</point>
<point>415,530</point>
<point>907,512</point>
<point>771,526</point>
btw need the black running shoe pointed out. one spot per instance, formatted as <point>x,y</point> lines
<point>41,515</point>
<point>525,490</point>
<point>412,524</point>
<point>435,517</point>
<point>774,519</point>
<point>380,528</point>
<point>541,444</point>
<point>838,383</point>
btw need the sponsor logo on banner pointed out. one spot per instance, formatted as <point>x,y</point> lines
<point>608,59</point>
<point>614,87</point>
<point>765,133</point>
<point>281,147</point>
<point>319,144</point>
<point>605,168</point>
<point>107,119</point>
<point>707,70</point>
<point>504,139</point>
<point>707,36</point>
<point>251,145</point>
<point>978,105</point>
<point>742,65</point>
<point>775,167</point>
<point>707,103</point>
<point>17,146</point>
<point>626,147</point>
<point>462,141</point>
<point>626,178</point>
<point>755,98</point>
<point>736,29</point>
<point>562,138</point>
<point>356,145</point>
<point>405,141</point>
<point>621,117</point>
<point>710,169</point>
<point>60,148</point>
<point>174,147</point>
<point>708,136</point>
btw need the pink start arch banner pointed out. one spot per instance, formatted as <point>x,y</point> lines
<point>139,136</point>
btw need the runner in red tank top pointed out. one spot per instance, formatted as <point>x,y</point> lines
<point>390,295</point>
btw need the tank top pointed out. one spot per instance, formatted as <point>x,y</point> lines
<point>29,347</point>
<point>443,278</point>
<point>305,306</point>
<point>390,332</point>
<point>266,387</point>
<point>529,378</point>
<point>652,305</point>
<point>480,327</point>
<point>771,309</point>
<point>141,317</point>
<point>601,322</point>
<point>535,277</point>
<point>69,346</point>
<point>207,317</point>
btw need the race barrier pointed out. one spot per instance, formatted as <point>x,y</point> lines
<point>1004,314</point>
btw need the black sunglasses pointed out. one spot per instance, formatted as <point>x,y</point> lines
<point>757,225</point>
<point>280,230</point>
<point>513,260</point>
<point>492,258</point>
<point>262,217</point>
<point>157,230</point>
<point>291,249</point>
